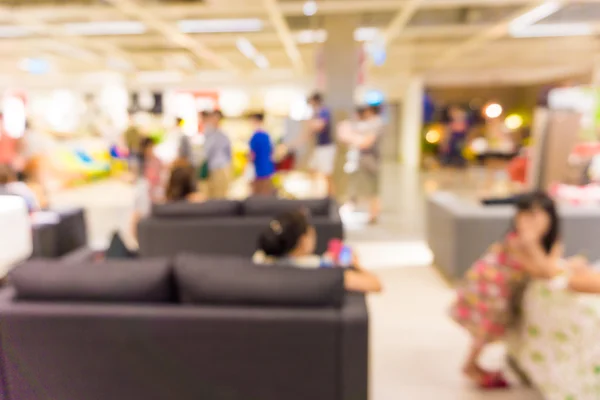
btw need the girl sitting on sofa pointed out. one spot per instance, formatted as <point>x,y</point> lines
<point>290,240</point>
<point>487,298</point>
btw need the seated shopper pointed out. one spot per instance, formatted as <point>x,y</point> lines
<point>182,184</point>
<point>180,187</point>
<point>290,239</point>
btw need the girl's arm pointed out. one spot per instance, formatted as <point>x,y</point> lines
<point>361,280</point>
<point>540,264</point>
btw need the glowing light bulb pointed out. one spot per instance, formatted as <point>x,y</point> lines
<point>432,136</point>
<point>493,110</point>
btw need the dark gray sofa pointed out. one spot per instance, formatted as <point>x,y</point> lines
<point>227,227</point>
<point>202,328</point>
<point>61,238</point>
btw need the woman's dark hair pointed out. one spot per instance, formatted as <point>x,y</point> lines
<point>181,183</point>
<point>7,174</point>
<point>541,200</point>
<point>283,233</point>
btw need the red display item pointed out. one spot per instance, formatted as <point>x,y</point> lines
<point>287,163</point>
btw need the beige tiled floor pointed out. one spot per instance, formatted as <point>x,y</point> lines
<point>416,351</point>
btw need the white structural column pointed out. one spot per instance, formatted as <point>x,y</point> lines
<point>411,123</point>
<point>340,62</point>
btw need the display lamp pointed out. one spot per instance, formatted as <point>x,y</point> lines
<point>310,8</point>
<point>513,122</point>
<point>433,136</point>
<point>493,110</point>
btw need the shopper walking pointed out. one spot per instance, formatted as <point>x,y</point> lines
<point>262,157</point>
<point>322,161</point>
<point>218,156</point>
<point>363,160</point>
<point>133,140</point>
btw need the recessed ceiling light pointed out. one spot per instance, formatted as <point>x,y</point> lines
<point>262,62</point>
<point>535,15</point>
<point>105,28</point>
<point>246,48</point>
<point>366,34</point>
<point>9,31</point>
<point>220,25</point>
<point>553,30</point>
<point>310,8</point>
<point>311,36</point>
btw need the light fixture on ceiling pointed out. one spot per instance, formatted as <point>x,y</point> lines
<point>101,28</point>
<point>11,31</point>
<point>311,36</point>
<point>34,66</point>
<point>310,8</point>
<point>262,62</point>
<point>366,34</point>
<point>554,30</point>
<point>220,25</point>
<point>535,15</point>
<point>246,48</point>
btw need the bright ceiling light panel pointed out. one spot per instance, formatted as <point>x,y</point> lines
<point>311,36</point>
<point>310,8</point>
<point>220,25</point>
<point>535,15</point>
<point>366,34</point>
<point>262,62</point>
<point>554,30</point>
<point>101,28</point>
<point>10,31</point>
<point>246,48</point>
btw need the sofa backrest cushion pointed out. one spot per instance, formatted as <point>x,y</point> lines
<point>237,281</point>
<point>272,207</point>
<point>148,280</point>
<point>211,208</point>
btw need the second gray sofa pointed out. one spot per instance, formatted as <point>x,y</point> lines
<point>228,227</point>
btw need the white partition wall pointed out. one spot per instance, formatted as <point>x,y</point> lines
<point>15,233</point>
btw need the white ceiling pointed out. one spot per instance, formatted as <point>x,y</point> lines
<point>447,41</point>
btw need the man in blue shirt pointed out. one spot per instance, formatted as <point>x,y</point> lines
<point>262,156</point>
<point>322,161</point>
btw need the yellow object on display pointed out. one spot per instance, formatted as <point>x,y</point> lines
<point>513,121</point>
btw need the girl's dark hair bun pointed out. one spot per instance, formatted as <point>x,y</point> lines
<point>283,234</point>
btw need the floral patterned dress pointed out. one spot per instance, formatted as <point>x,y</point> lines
<point>486,300</point>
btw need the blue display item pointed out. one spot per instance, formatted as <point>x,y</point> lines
<point>345,257</point>
<point>374,97</point>
<point>83,156</point>
<point>35,66</point>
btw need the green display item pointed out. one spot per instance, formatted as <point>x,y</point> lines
<point>203,171</point>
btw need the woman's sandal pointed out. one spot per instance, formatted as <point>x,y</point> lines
<point>493,380</point>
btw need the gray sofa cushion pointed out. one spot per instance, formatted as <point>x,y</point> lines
<point>149,281</point>
<point>231,280</point>
<point>213,208</point>
<point>272,207</point>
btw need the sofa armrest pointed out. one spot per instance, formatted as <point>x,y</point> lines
<point>354,348</point>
